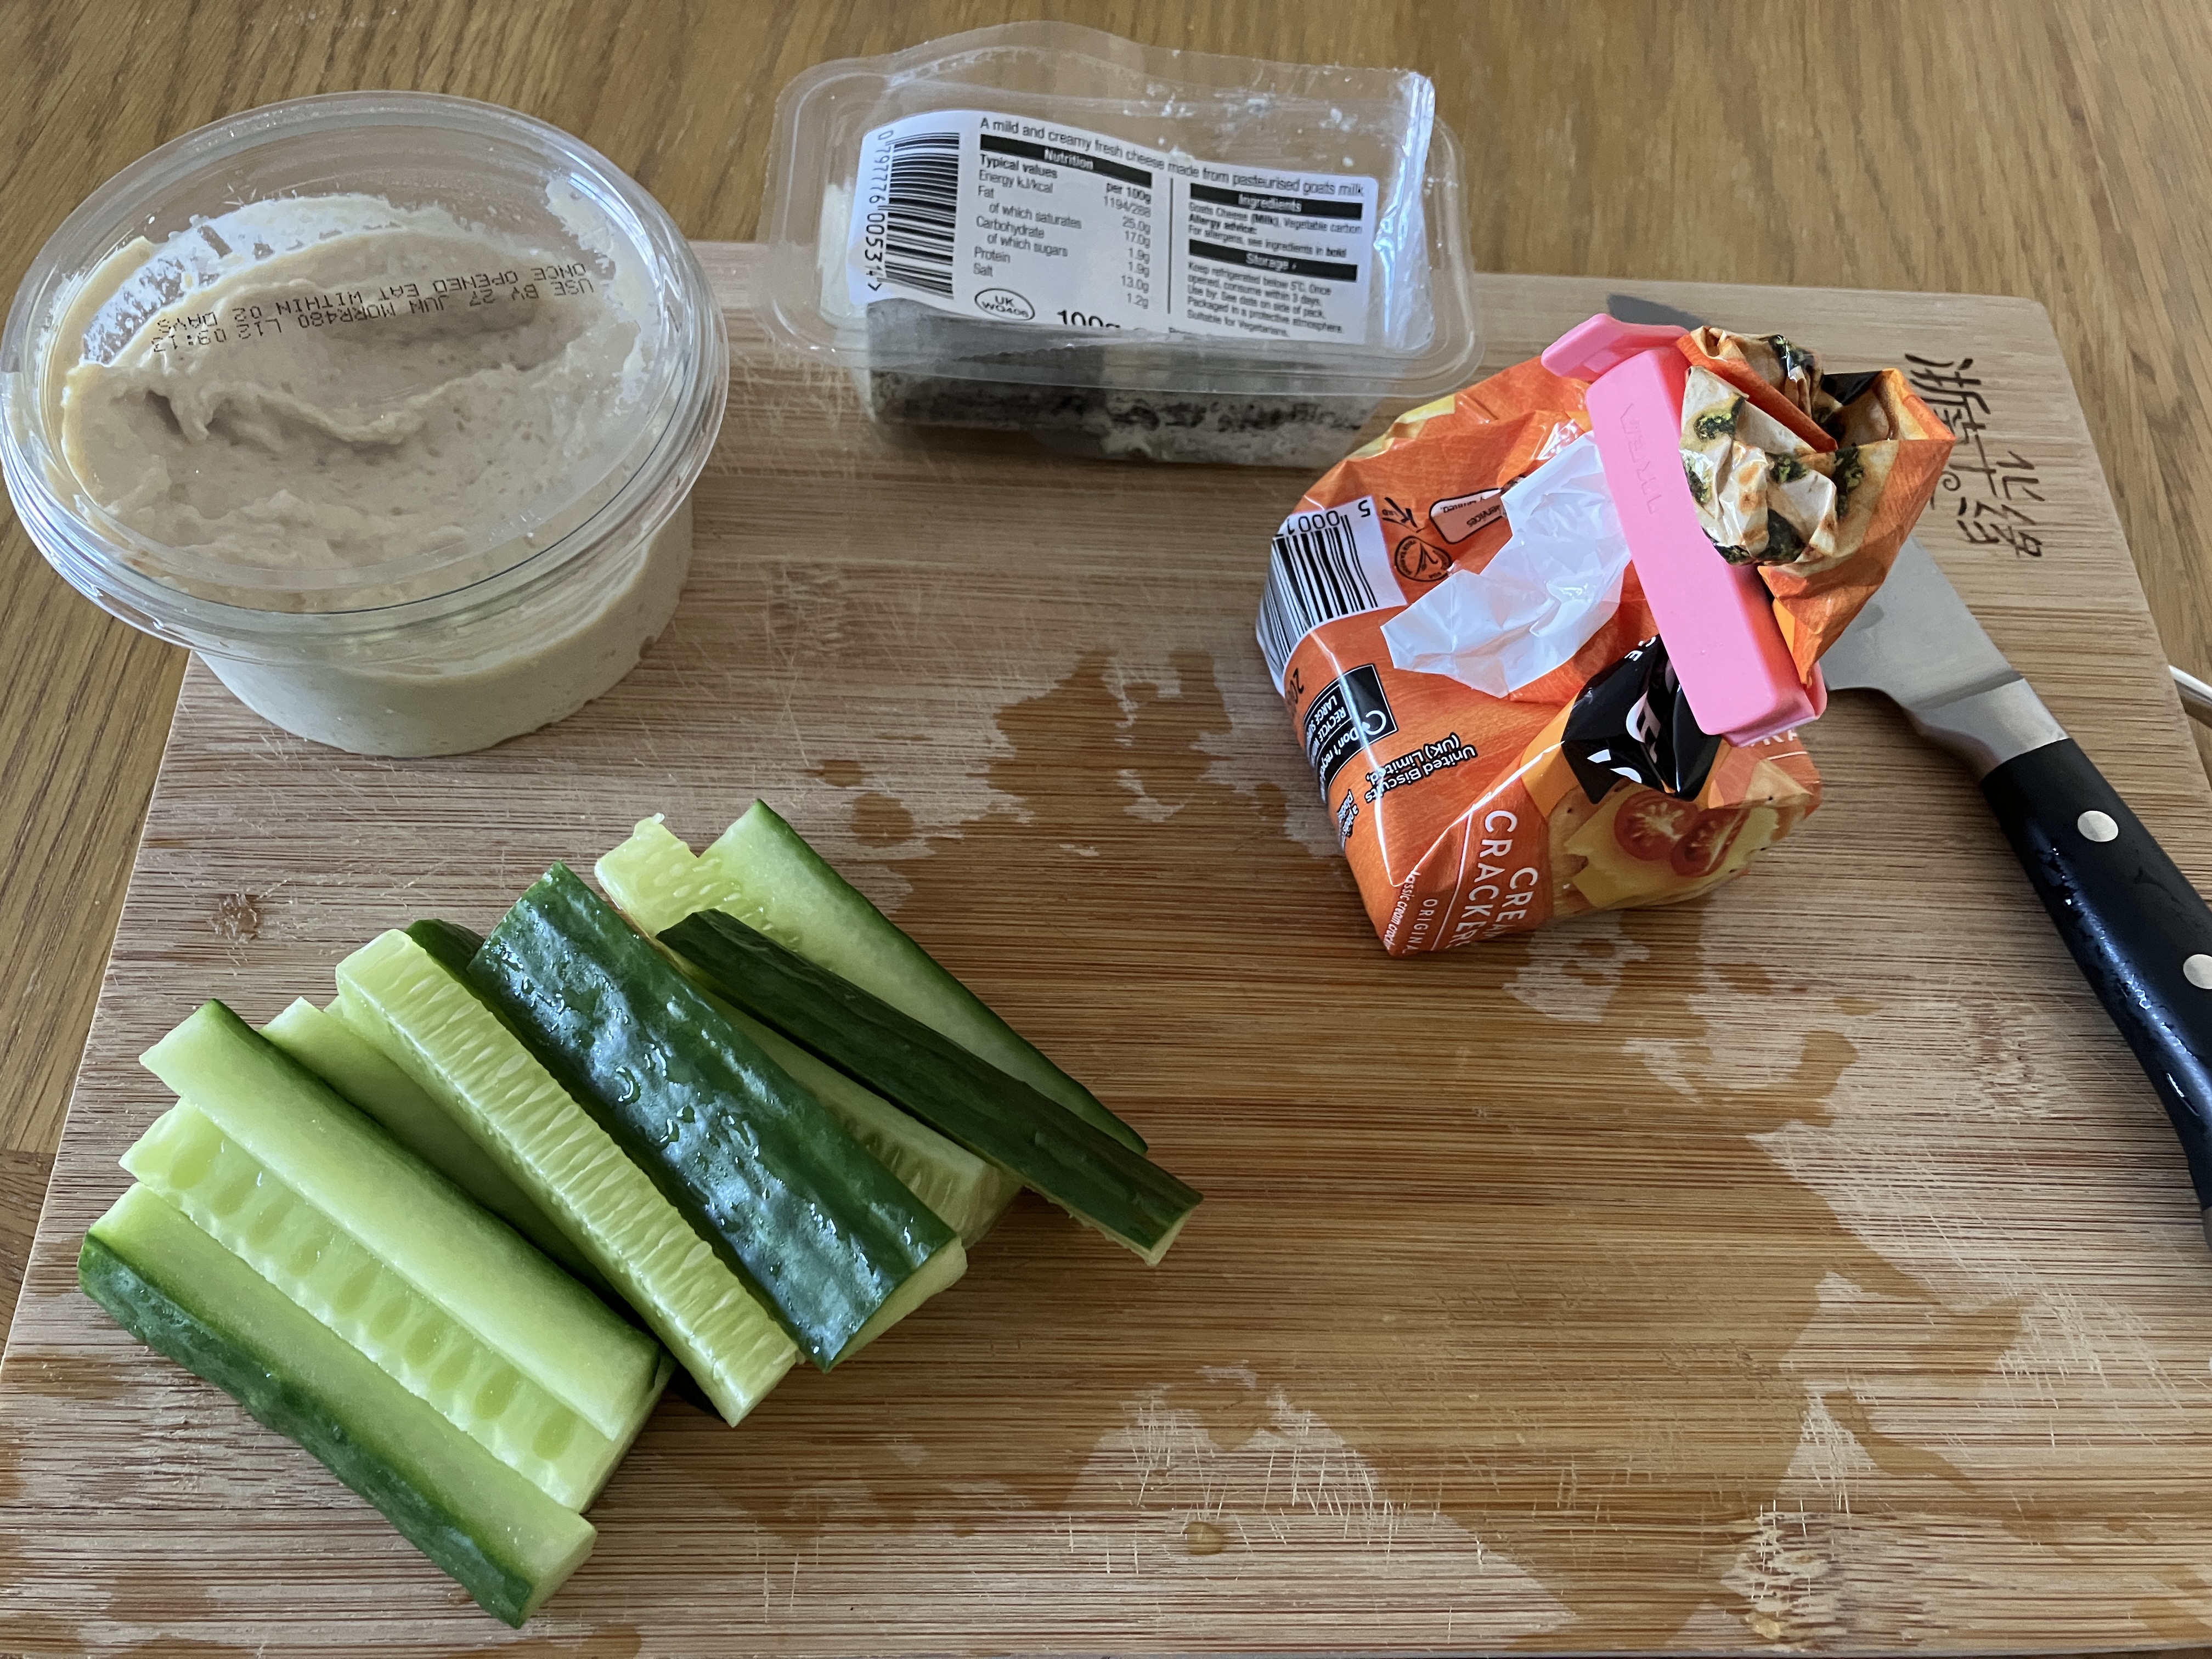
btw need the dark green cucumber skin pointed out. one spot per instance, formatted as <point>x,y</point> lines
<point>992,1113</point>
<point>448,942</point>
<point>151,1314</point>
<point>790,1201</point>
<point>804,849</point>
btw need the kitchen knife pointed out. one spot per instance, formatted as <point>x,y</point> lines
<point>2141,934</point>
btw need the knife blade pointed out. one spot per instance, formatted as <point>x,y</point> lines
<point>2140,932</point>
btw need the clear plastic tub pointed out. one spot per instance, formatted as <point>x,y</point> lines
<point>388,404</point>
<point>1125,251</point>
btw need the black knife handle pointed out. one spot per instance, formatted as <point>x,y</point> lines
<point>2141,934</point>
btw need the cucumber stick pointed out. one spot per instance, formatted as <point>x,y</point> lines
<point>1092,1175</point>
<point>441,1033</point>
<point>785,889</point>
<point>967,1192</point>
<point>657,881</point>
<point>327,1042</point>
<point>404,1215</point>
<point>829,1239</point>
<point>449,942</point>
<point>238,1201</point>
<point>182,1294</point>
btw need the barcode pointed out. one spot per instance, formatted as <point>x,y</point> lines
<point>1314,576</point>
<point>923,212</point>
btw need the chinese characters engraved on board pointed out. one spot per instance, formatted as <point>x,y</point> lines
<point>1991,495</point>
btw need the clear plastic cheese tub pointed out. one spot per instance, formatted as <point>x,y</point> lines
<point>388,404</point>
<point>1127,251</point>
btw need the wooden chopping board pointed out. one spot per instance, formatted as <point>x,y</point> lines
<point>1810,1265</point>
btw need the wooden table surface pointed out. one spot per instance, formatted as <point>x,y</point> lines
<point>2059,151</point>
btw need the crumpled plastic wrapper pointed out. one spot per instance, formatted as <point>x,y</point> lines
<point>1555,582</point>
<point>1497,730</point>
<point>1804,474</point>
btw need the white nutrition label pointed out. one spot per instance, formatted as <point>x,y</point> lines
<point>1004,216</point>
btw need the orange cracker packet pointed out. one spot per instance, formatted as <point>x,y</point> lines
<point>1465,815</point>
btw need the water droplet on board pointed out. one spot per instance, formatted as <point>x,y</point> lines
<point>1203,1538</point>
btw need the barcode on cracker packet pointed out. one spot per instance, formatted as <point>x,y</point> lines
<point>1323,564</point>
<point>922,211</point>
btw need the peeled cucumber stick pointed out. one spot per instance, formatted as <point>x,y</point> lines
<point>329,1042</point>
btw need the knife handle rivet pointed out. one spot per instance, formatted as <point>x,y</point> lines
<point>2197,970</point>
<point>2099,826</point>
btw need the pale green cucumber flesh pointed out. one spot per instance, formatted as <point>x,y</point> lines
<point>182,1294</point>
<point>326,1043</point>
<point>657,881</point>
<point>231,1196</point>
<point>826,1235</point>
<point>411,1219</point>
<point>940,1272</point>
<point>441,1034</point>
<point>791,893</point>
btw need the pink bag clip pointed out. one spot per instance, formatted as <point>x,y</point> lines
<point>1716,618</point>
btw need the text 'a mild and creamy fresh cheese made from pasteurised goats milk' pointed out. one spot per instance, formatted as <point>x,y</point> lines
<point>970,212</point>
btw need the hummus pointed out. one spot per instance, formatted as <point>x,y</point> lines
<point>327,404</point>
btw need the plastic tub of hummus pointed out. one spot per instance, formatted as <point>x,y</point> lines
<point>388,404</point>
